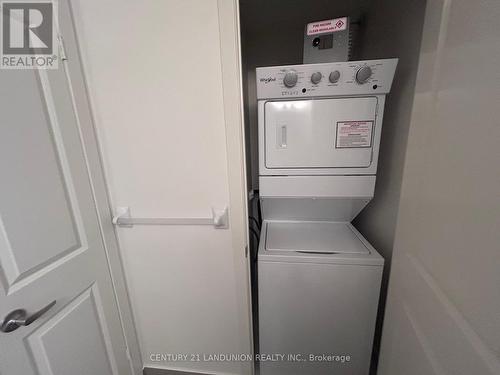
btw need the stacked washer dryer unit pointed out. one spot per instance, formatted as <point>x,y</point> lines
<point>318,278</point>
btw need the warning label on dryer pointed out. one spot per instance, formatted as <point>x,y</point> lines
<point>354,134</point>
<point>327,26</point>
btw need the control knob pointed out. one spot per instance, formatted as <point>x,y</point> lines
<point>316,77</point>
<point>290,78</point>
<point>363,74</point>
<point>334,76</point>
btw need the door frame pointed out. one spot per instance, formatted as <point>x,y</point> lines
<point>95,168</point>
<point>232,87</point>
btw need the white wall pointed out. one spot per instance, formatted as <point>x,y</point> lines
<point>443,310</point>
<point>156,84</point>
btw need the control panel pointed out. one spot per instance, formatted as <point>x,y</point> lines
<point>330,79</point>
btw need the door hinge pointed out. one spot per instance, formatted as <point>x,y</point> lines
<point>62,49</point>
<point>246,251</point>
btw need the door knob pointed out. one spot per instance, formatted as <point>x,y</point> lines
<point>20,317</point>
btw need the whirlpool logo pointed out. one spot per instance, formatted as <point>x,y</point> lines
<point>268,79</point>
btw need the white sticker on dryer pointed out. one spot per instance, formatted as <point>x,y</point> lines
<point>354,134</point>
<point>327,26</point>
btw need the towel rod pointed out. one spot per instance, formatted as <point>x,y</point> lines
<point>123,218</point>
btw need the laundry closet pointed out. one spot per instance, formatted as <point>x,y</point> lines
<point>250,187</point>
<point>328,88</point>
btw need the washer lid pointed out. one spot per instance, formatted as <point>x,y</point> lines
<point>313,237</point>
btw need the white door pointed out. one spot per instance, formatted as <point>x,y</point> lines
<point>443,311</point>
<point>51,247</point>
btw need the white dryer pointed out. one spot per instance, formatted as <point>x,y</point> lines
<point>318,278</point>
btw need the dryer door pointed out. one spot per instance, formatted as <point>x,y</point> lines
<point>320,133</point>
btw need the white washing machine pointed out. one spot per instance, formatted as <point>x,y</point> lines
<point>318,278</point>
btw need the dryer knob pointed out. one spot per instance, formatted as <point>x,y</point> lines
<point>290,79</point>
<point>334,76</point>
<point>316,77</point>
<point>363,74</point>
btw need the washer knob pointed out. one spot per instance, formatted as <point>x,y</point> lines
<point>334,76</point>
<point>290,78</point>
<point>316,77</point>
<point>363,74</point>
